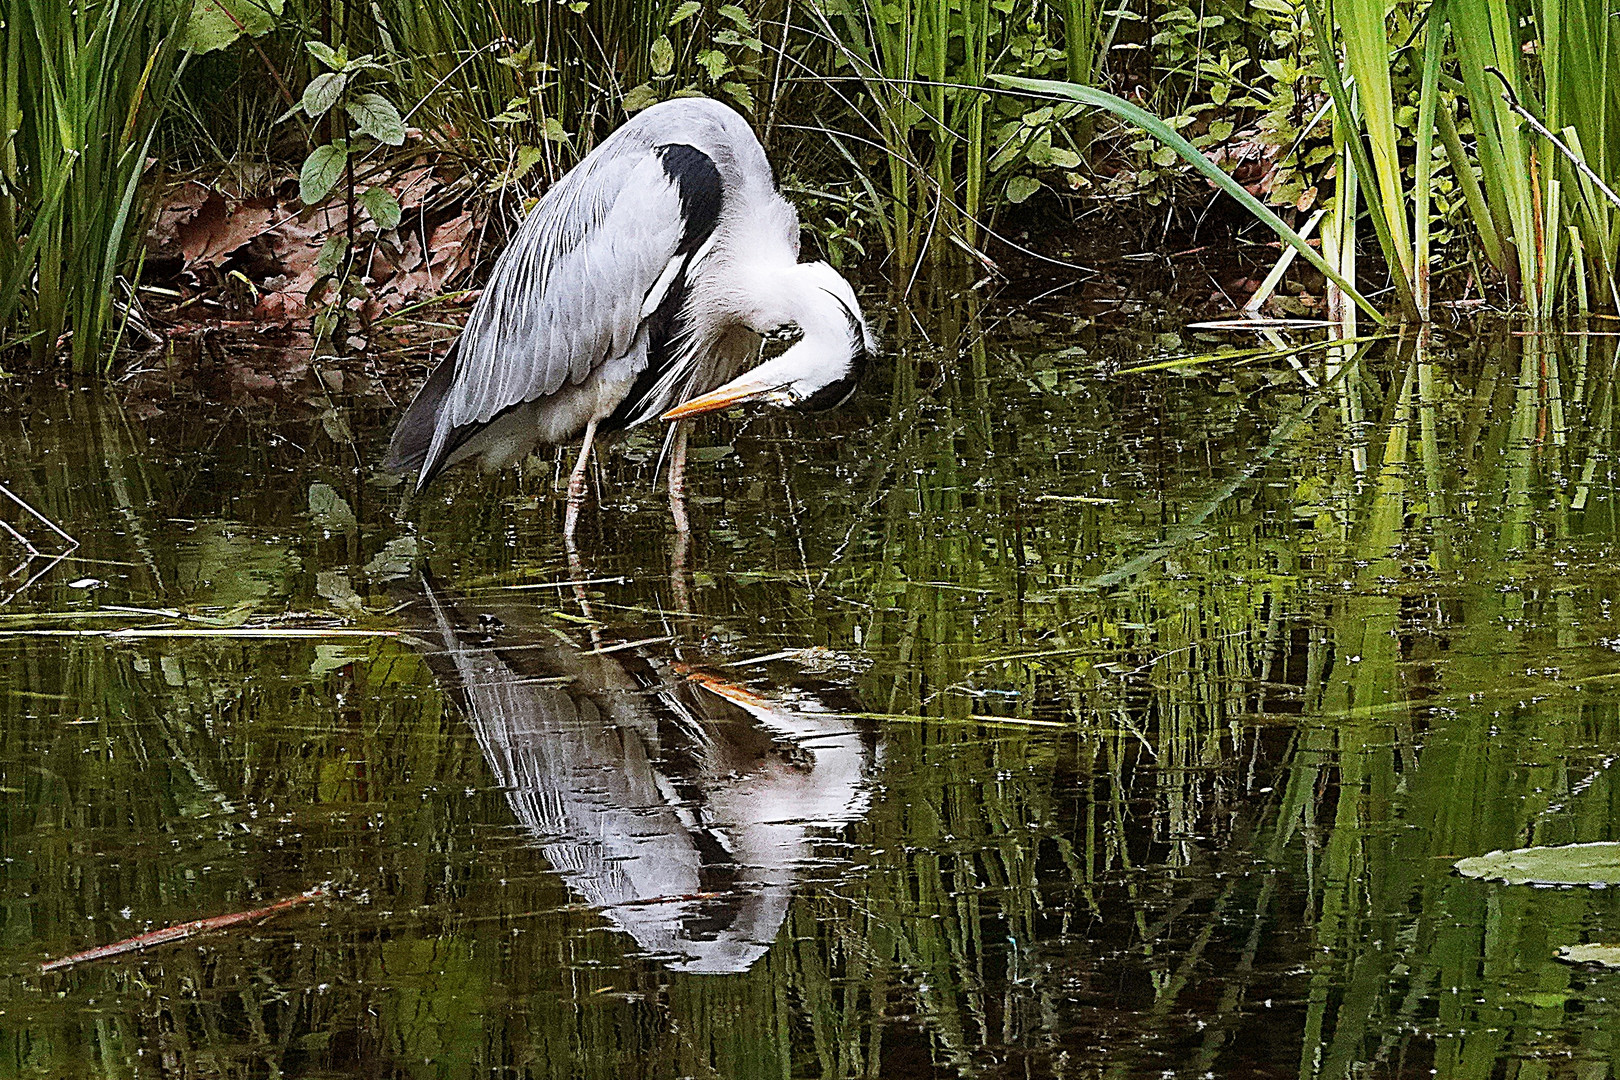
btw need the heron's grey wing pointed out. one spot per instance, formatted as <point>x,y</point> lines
<point>572,289</point>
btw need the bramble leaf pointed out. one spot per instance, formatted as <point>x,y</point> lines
<point>382,206</point>
<point>376,116</point>
<point>321,171</point>
<point>215,24</point>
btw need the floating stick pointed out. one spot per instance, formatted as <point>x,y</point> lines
<point>170,934</point>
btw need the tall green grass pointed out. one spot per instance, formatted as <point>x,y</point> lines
<point>81,89</point>
<point>948,149</point>
<point>1478,90</point>
<point>523,87</point>
<point>1501,69</point>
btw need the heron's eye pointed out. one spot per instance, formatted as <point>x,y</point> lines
<point>778,341</point>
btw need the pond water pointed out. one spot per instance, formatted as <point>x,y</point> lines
<point>1089,699</point>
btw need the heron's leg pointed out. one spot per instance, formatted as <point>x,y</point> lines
<point>677,573</point>
<point>677,479</point>
<point>579,572</point>
<point>576,485</point>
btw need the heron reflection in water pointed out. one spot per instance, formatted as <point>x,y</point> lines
<point>685,808</point>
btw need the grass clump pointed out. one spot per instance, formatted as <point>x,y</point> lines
<point>81,89</point>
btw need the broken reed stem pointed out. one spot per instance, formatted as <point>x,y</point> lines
<point>1512,101</point>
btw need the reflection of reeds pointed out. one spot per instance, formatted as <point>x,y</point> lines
<point>1373,623</point>
<point>1459,475</point>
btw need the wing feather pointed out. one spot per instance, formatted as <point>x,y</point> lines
<point>567,294</point>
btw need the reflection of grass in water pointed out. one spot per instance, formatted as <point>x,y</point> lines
<point>1002,871</point>
<point>1182,698</point>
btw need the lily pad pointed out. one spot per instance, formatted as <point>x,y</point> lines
<point>1571,864</point>
<point>1603,955</point>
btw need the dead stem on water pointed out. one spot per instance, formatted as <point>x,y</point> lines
<point>180,932</point>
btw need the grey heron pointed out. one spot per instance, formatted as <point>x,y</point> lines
<point>639,286</point>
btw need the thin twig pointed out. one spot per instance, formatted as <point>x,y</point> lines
<point>603,650</point>
<point>49,524</point>
<point>1545,132</point>
<point>567,584</point>
<point>170,934</point>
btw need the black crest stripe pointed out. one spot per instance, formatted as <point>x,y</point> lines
<point>697,182</point>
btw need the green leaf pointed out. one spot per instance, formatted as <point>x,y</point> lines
<point>662,57</point>
<point>516,112</point>
<point>715,62</point>
<point>321,171</point>
<point>639,98</point>
<point>382,206</point>
<point>684,12</point>
<point>331,254</point>
<point>325,323</point>
<point>1021,187</point>
<point>551,130</point>
<point>215,24</point>
<point>738,16</point>
<point>322,93</point>
<point>1570,864</point>
<point>519,60</point>
<point>376,116</point>
<point>326,55</point>
<point>739,93</point>
<point>1156,127</point>
<point>527,158</point>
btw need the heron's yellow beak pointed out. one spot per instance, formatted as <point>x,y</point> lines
<point>734,392</point>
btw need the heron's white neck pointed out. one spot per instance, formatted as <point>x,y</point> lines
<point>800,294</point>
<point>817,371</point>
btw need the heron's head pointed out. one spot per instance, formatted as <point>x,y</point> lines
<point>818,371</point>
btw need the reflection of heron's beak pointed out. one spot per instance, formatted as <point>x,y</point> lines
<point>730,691</point>
<point>748,387</point>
